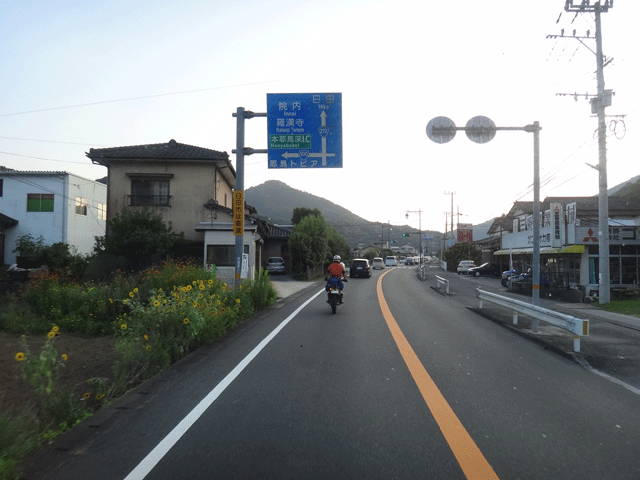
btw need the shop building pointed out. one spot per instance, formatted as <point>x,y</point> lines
<point>569,247</point>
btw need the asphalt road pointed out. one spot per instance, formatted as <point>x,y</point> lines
<point>411,385</point>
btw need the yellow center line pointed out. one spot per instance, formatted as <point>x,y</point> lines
<point>471,460</point>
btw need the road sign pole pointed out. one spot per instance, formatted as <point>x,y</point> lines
<point>481,130</point>
<point>239,187</point>
<point>240,152</point>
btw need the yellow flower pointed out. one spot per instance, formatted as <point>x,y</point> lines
<point>238,301</point>
<point>19,356</point>
<point>124,302</point>
<point>123,326</point>
<point>146,337</point>
<point>189,288</point>
<point>201,287</point>
<point>218,302</point>
<point>210,282</point>
<point>65,357</point>
<point>100,397</point>
<point>87,396</point>
<point>148,347</point>
<point>51,334</point>
<point>130,294</point>
<point>185,321</point>
<point>156,303</point>
<point>135,290</point>
<point>195,304</point>
<point>110,301</point>
<point>55,329</point>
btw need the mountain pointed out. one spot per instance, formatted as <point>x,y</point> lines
<point>275,200</point>
<point>629,189</point>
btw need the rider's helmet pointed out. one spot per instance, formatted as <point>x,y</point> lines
<point>336,258</point>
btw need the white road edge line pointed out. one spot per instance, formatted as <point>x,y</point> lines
<point>152,459</point>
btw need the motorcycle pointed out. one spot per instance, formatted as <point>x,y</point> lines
<point>506,276</point>
<point>335,293</point>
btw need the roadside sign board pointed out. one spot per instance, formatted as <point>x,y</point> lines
<point>305,130</point>
<point>238,212</point>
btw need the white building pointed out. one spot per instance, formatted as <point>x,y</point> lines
<point>57,206</point>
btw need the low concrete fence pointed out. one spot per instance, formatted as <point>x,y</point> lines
<point>579,327</point>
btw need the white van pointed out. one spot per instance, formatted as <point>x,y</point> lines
<point>377,263</point>
<point>391,261</point>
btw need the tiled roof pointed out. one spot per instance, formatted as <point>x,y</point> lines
<point>170,150</point>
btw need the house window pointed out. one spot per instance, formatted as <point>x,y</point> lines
<point>149,192</point>
<point>39,202</point>
<point>102,211</point>
<point>223,255</point>
<point>81,206</point>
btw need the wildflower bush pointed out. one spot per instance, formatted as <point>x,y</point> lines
<point>41,371</point>
<point>162,327</point>
<point>157,316</point>
<point>84,308</point>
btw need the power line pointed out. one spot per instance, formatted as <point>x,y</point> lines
<point>137,98</point>
<point>55,141</point>
<point>42,158</point>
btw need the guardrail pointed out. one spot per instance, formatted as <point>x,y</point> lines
<point>444,282</point>
<point>578,326</point>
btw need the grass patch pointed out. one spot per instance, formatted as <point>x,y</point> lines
<point>625,307</point>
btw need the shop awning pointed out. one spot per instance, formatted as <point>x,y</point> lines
<point>543,250</point>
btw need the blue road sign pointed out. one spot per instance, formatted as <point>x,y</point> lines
<point>305,130</point>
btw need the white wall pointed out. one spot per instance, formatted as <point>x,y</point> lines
<point>61,225</point>
<point>226,237</point>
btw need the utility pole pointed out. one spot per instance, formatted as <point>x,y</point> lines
<point>452,194</point>
<point>598,105</point>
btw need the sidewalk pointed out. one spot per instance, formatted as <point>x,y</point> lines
<point>286,286</point>
<point>611,348</point>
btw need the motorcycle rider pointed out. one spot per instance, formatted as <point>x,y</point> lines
<point>337,273</point>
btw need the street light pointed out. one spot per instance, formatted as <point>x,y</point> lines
<point>419,212</point>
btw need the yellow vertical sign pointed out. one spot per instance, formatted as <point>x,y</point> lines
<point>238,212</point>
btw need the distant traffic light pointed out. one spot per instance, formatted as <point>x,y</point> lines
<point>406,234</point>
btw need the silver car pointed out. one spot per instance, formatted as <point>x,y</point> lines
<point>275,265</point>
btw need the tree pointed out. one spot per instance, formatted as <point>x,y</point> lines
<point>300,212</point>
<point>337,245</point>
<point>138,235</point>
<point>308,244</point>
<point>461,251</point>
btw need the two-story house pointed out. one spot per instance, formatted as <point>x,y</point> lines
<point>191,188</point>
<point>57,206</point>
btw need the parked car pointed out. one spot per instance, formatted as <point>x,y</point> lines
<point>360,268</point>
<point>378,262</point>
<point>490,269</point>
<point>275,265</point>
<point>465,265</point>
<point>391,261</point>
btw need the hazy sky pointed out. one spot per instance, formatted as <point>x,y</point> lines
<point>77,75</point>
